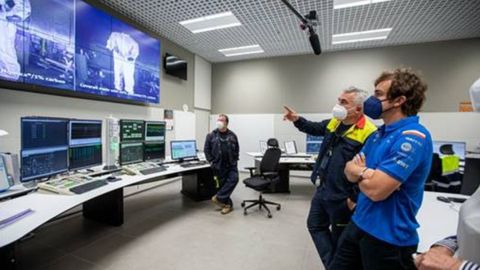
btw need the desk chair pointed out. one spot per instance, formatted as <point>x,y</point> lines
<point>435,173</point>
<point>266,178</point>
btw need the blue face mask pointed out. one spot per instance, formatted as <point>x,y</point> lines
<point>372,107</point>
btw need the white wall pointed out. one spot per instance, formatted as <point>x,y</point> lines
<point>251,128</point>
<point>312,83</point>
<point>203,84</point>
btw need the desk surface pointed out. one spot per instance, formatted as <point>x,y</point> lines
<point>290,160</point>
<point>49,205</point>
<point>437,219</point>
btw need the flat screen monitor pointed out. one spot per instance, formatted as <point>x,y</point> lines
<point>131,153</point>
<point>154,150</point>
<point>263,147</point>
<point>43,132</point>
<point>175,66</point>
<point>132,130</point>
<point>183,149</point>
<point>44,147</point>
<point>70,46</point>
<point>155,131</point>
<point>85,132</point>
<point>84,156</point>
<point>85,142</point>
<point>290,147</point>
<point>313,144</point>
<point>443,148</point>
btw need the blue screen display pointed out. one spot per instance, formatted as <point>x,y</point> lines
<point>183,149</point>
<point>73,46</point>
<point>313,144</point>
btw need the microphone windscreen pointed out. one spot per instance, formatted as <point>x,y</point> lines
<point>315,42</point>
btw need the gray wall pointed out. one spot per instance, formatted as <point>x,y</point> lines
<point>311,83</point>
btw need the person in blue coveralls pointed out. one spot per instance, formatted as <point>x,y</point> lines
<point>390,170</point>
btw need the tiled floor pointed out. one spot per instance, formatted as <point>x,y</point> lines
<point>165,230</point>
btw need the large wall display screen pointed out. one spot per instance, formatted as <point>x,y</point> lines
<point>70,45</point>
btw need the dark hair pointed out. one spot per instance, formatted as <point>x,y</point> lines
<point>405,82</point>
<point>225,116</point>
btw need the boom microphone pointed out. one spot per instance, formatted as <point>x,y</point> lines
<point>315,42</point>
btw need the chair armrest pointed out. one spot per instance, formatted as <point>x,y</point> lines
<point>251,170</point>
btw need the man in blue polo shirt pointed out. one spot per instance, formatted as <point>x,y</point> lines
<point>391,171</point>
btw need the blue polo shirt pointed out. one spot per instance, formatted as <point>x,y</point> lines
<point>403,150</point>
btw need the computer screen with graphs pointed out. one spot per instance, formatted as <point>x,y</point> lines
<point>132,130</point>
<point>155,131</point>
<point>131,153</point>
<point>44,147</point>
<point>313,144</point>
<point>85,144</point>
<point>183,149</point>
<point>154,150</point>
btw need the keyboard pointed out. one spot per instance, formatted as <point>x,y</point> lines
<point>153,170</point>
<point>193,164</point>
<point>88,186</point>
<point>73,184</point>
<point>143,168</point>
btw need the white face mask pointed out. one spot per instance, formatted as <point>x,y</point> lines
<point>339,112</point>
<point>220,125</point>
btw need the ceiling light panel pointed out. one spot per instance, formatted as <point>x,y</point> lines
<point>211,22</point>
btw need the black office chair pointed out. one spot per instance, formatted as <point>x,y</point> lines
<point>435,173</point>
<point>265,179</point>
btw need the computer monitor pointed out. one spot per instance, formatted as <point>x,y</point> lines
<point>155,131</point>
<point>132,130</point>
<point>443,148</point>
<point>44,147</point>
<point>86,156</point>
<point>85,132</point>
<point>183,149</point>
<point>85,144</point>
<point>131,153</point>
<point>290,147</point>
<point>39,132</point>
<point>313,144</point>
<point>263,147</point>
<point>154,150</point>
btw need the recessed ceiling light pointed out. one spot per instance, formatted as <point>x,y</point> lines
<point>211,22</point>
<point>377,34</point>
<point>338,4</point>
<point>251,49</point>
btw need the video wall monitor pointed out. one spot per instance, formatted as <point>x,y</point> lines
<point>44,147</point>
<point>70,46</point>
<point>132,130</point>
<point>175,66</point>
<point>183,149</point>
<point>155,131</point>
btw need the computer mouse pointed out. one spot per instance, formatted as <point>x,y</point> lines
<point>113,178</point>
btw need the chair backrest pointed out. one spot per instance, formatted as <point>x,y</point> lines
<point>271,158</point>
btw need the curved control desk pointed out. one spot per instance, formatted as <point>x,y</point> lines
<point>104,204</point>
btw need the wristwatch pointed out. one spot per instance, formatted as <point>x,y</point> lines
<point>360,177</point>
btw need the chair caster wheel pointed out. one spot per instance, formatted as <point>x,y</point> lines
<point>269,215</point>
<point>278,208</point>
<point>242,204</point>
<point>245,213</point>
